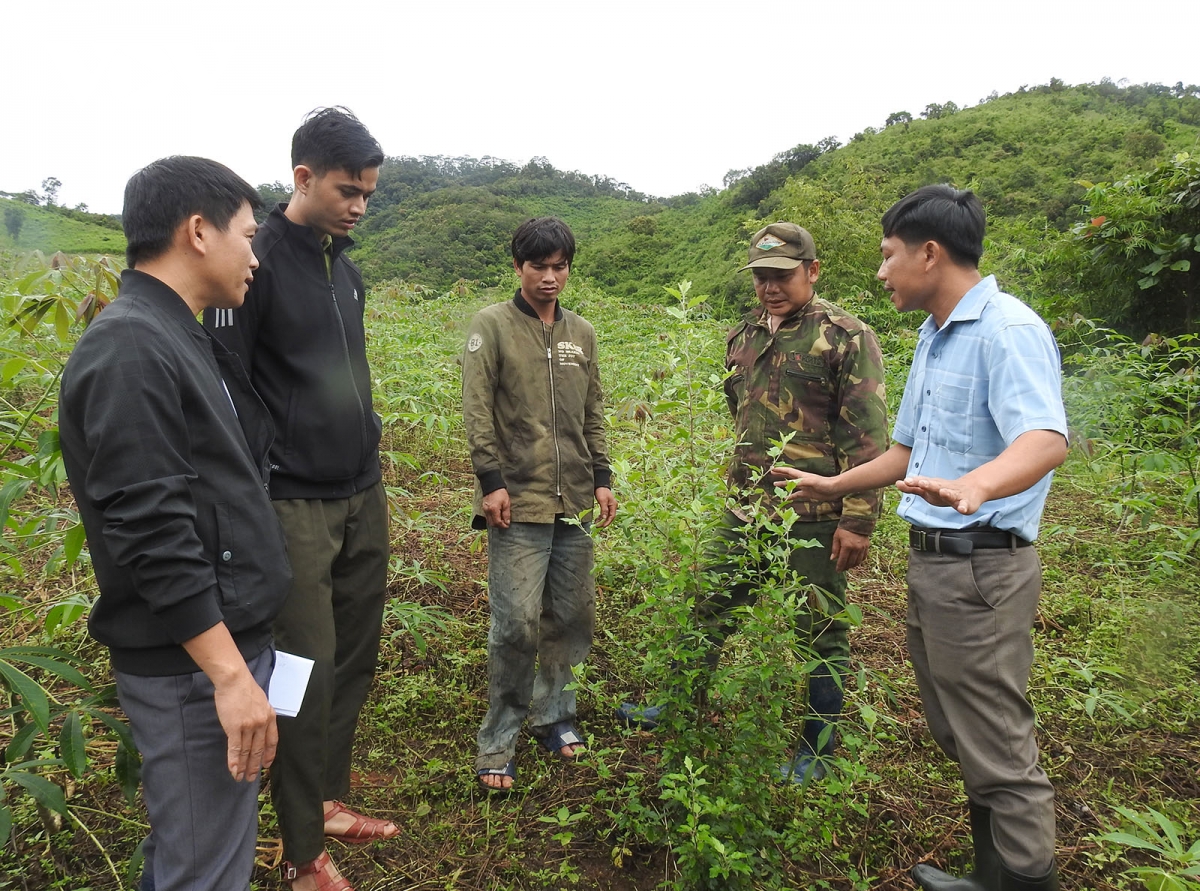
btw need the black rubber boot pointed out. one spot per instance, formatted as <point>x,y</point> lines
<point>825,701</point>
<point>1014,881</point>
<point>985,876</point>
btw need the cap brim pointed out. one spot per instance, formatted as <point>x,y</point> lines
<point>772,263</point>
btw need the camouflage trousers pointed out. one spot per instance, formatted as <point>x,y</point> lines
<point>819,627</point>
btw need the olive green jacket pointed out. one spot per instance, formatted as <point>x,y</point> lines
<point>819,378</point>
<point>533,410</point>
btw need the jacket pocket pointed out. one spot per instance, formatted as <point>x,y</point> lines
<point>226,577</point>
<point>806,399</point>
<point>326,433</point>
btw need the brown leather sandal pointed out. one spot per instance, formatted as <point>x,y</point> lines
<point>316,868</point>
<point>362,830</point>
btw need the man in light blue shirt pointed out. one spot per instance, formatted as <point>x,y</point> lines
<point>980,430</point>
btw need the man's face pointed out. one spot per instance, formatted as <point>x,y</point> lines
<point>785,291</point>
<point>903,274</point>
<point>336,199</point>
<point>230,261</point>
<point>543,280</point>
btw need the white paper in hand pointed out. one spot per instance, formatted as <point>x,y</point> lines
<point>289,680</point>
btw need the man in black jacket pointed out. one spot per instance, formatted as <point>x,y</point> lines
<point>300,334</point>
<point>165,445</point>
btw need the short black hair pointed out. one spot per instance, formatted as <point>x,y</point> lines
<point>954,218</point>
<point>163,194</point>
<point>543,237</point>
<point>334,139</point>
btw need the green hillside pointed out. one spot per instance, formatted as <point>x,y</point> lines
<point>437,220</point>
<point>50,229</point>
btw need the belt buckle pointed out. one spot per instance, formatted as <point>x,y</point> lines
<point>921,536</point>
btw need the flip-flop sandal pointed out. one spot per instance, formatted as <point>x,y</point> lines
<point>362,830</point>
<point>558,735</point>
<point>508,770</point>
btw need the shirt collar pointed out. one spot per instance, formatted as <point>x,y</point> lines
<point>759,315</point>
<point>969,307</point>
<point>522,304</point>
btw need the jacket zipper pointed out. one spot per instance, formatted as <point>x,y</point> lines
<point>548,338</point>
<point>362,418</point>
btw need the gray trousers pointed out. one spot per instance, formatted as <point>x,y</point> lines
<point>203,823</point>
<point>543,603</point>
<point>334,614</point>
<point>969,636</point>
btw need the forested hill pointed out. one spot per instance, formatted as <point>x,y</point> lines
<point>1121,253</point>
<point>436,220</point>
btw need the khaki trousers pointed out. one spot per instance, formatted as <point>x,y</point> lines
<point>969,637</point>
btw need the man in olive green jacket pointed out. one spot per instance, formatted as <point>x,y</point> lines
<point>534,418</point>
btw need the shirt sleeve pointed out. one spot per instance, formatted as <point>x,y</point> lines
<point>126,406</point>
<point>593,423</point>
<point>904,430</point>
<point>1025,381</point>
<point>480,371</point>
<point>860,432</point>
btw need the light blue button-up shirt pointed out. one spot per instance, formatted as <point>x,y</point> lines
<point>989,374</point>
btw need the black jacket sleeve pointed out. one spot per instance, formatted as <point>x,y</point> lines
<point>125,402</point>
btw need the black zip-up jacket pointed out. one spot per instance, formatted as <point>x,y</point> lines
<point>165,444</point>
<point>300,334</point>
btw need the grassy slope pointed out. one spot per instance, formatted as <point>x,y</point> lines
<point>46,231</point>
<point>1023,153</point>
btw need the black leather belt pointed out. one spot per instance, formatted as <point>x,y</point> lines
<point>962,541</point>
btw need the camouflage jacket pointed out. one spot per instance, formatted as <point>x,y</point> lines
<point>819,377</point>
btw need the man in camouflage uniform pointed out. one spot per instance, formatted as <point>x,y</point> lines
<point>804,368</point>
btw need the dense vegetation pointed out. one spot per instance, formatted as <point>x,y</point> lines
<point>1118,634</point>
<point>1029,154</point>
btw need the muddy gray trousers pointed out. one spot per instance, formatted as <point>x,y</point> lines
<point>543,603</point>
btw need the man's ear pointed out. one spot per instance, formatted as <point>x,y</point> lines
<point>932,253</point>
<point>814,271</point>
<point>302,178</point>
<point>516,264</point>
<point>192,234</point>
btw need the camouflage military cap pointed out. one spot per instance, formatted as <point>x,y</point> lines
<point>780,246</point>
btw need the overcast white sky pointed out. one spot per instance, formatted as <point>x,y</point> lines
<point>665,96</point>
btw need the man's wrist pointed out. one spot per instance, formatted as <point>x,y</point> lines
<point>490,481</point>
<point>857,525</point>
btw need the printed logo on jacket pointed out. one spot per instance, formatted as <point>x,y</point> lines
<point>570,354</point>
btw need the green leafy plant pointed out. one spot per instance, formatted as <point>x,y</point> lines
<point>52,707</point>
<point>564,819</point>
<point>724,729</point>
<point>415,621</point>
<point>1159,836</point>
<point>40,719</point>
